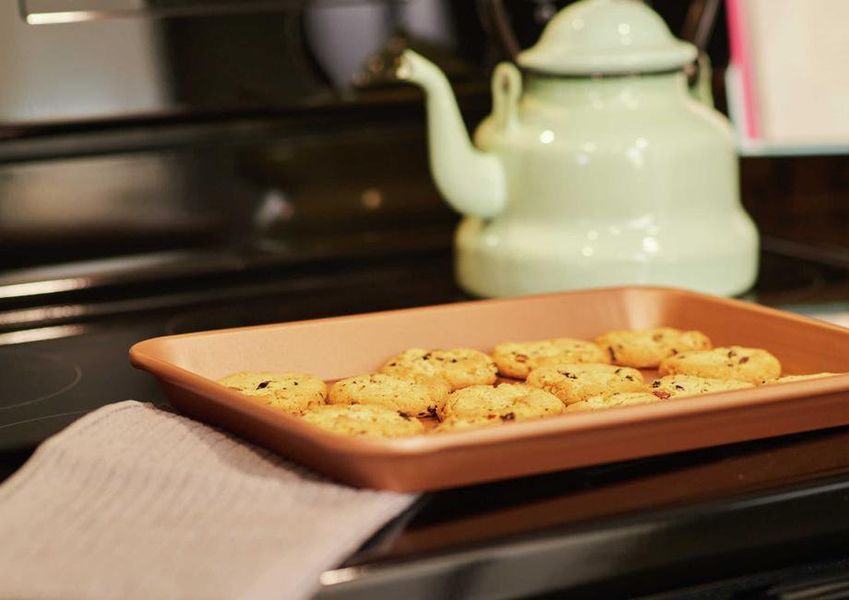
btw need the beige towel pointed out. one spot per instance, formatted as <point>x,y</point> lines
<point>136,502</point>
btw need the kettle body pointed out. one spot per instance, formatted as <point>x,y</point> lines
<point>619,181</point>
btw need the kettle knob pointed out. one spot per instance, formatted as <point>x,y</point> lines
<point>506,90</point>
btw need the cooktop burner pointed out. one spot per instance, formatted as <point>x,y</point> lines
<point>33,377</point>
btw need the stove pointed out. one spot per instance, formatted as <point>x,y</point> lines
<point>740,519</point>
<point>221,196</point>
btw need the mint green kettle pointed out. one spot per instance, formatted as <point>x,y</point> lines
<point>596,166</point>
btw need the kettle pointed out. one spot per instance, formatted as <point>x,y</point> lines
<point>596,166</point>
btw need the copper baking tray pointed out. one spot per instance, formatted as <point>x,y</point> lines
<point>188,365</point>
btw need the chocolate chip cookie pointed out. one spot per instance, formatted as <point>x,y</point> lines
<point>414,398</point>
<point>517,359</point>
<point>644,349</point>
<point>290,392</point>
<point>754,365</point>
<point>363,420</point>
<point>507,402</point>
<point>678,386</point>
<point>613,401</point>
<point>578,382</point>
<point>460,367</point>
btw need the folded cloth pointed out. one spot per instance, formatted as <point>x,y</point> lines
<point>132,501</point>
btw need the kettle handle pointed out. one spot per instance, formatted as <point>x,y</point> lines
<point>496,24</point>
<point>698,28</point>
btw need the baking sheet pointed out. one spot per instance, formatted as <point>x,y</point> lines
<point>188,365</point>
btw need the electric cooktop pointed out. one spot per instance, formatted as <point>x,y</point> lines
<point>737,520</point>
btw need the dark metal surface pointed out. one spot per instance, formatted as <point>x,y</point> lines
<point>694,517</point>
<point>700,22</point>
<point>223,190</point>
<point>92,333</point>
<point>626,529</point>
<point>256,195</point>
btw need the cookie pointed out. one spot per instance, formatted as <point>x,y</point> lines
<point>744,364</point>
<point>464,423</point>
<point>679,386</point>
<point>578,382</point>
<point>363,420</point>
<point>612,401</point>
<point>460,367</point>
<point>507,402</point>
<point>644,349</point>
<point>290,392</point>
<point>517,359</point>
<point>791,378</point>
<point>415,398</point>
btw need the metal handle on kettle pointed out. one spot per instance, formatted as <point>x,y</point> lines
<point>698,28</point>
<point>496,24</point>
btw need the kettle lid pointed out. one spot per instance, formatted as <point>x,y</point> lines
<point>607,37</point>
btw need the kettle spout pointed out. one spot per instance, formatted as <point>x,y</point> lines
<point>471,181</point>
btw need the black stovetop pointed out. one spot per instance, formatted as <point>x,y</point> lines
<point>735,518</point>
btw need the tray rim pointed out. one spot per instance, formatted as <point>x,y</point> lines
<point>708,404</point>
<point>749,306</point>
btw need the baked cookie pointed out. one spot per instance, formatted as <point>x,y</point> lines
<point>613,401</point>
<point>363,419</point>
<point>463,423</point>
<point>415,398</point>
<point>679,386</point>
<point>645,349</point>
<point>791,378</point>
<point>460,367</point>
<point>507,402</point>
<point>578,382</point>
<point>517,359</point>
<point>290,392</point>
<point>744,364</point>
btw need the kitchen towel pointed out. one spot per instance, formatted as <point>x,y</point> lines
<point>133,501</point>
